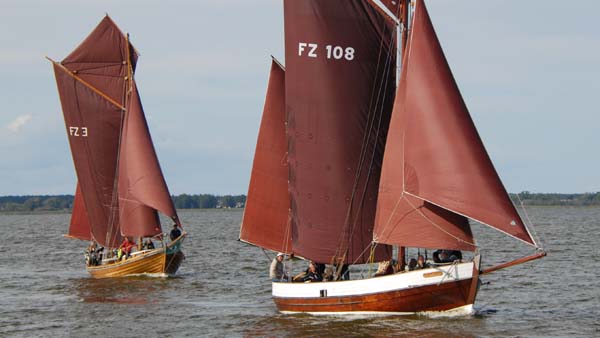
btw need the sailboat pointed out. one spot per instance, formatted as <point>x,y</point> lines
<point>355,158</point>
<point>120,187</point>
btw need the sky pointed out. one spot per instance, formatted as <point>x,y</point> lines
<point>530,75</point>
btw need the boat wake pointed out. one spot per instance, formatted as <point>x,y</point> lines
<point>463,311</point>
<point>150,275</point>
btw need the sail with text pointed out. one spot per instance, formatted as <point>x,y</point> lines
<point>98,97</point>
<point>436,171</point>
<point>318,157</point>
<point>339,91</point>
<point>91,83</point>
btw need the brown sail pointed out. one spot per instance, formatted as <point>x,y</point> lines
<point>101,60</point>
<point>405,220</point>
<point>142,187</point>
<point>436,153</point>
<point>339,91</point>
<point>93,126</point>
<point>266,215</point>
<point>80,225</point>
<point>91,83</point>
<point>120,184</point>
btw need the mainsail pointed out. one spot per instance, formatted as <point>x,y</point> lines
<point>93,127</point>
<point>98,95</point>
<point>435,162</point>
<point>266,215</point>
<point>339,90</point>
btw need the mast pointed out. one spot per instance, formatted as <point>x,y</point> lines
<point>403,39</point>
<point>404,21</point>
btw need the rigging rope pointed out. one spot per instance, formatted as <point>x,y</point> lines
<point>438,227</point>
<point>348,232</point>
<point>534,232</point>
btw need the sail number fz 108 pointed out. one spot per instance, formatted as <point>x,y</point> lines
<point>332,52</point>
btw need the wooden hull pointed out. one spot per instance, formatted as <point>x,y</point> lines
<point>173,261</point>
<point>451,288</point>
<point>162,261</point>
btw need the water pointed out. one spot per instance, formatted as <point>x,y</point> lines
<point>222,288</point>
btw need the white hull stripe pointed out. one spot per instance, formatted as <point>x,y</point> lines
<point>395,282</point>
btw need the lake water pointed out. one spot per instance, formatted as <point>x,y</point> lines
<point>223,289</point>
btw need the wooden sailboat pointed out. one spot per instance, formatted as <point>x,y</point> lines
<point>348,164</point>
<point>120,186</point>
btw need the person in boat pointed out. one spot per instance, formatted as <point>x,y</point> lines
<point>384,268</point>
<point>446,256</point>
<point>421,264</point>
<point>126,247</point>
<point>328,274</point>
<point>175,233</point>
<point>148,245</point>
<point>93,253</point>
<point>90,253</point>
<point>412,265</point>
<point>276,271</point>
<point>310,275</point>
<point>320,268</point>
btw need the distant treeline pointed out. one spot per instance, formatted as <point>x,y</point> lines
<point>208,201</point>
<point>530,198</point>
<point>65,202</point>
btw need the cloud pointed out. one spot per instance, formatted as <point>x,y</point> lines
<point>19,122</point>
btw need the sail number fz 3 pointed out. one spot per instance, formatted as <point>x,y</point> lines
<point>332,52</point>
<point>78,131</point>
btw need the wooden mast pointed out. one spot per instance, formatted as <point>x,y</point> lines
<point>404,12</point>
<point>404,21</point>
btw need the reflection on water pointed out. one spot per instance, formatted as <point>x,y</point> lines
<point>128,290</point>
<point>360,326</point>
<point>223,289</point>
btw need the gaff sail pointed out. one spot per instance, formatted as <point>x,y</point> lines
<point>93,126</point>
<point>339,90</point>
<point>98,98</point>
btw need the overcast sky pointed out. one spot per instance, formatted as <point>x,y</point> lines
<point>528,70</point>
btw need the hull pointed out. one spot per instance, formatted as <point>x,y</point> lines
<point>448,288</point>
<point>162,261</point>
